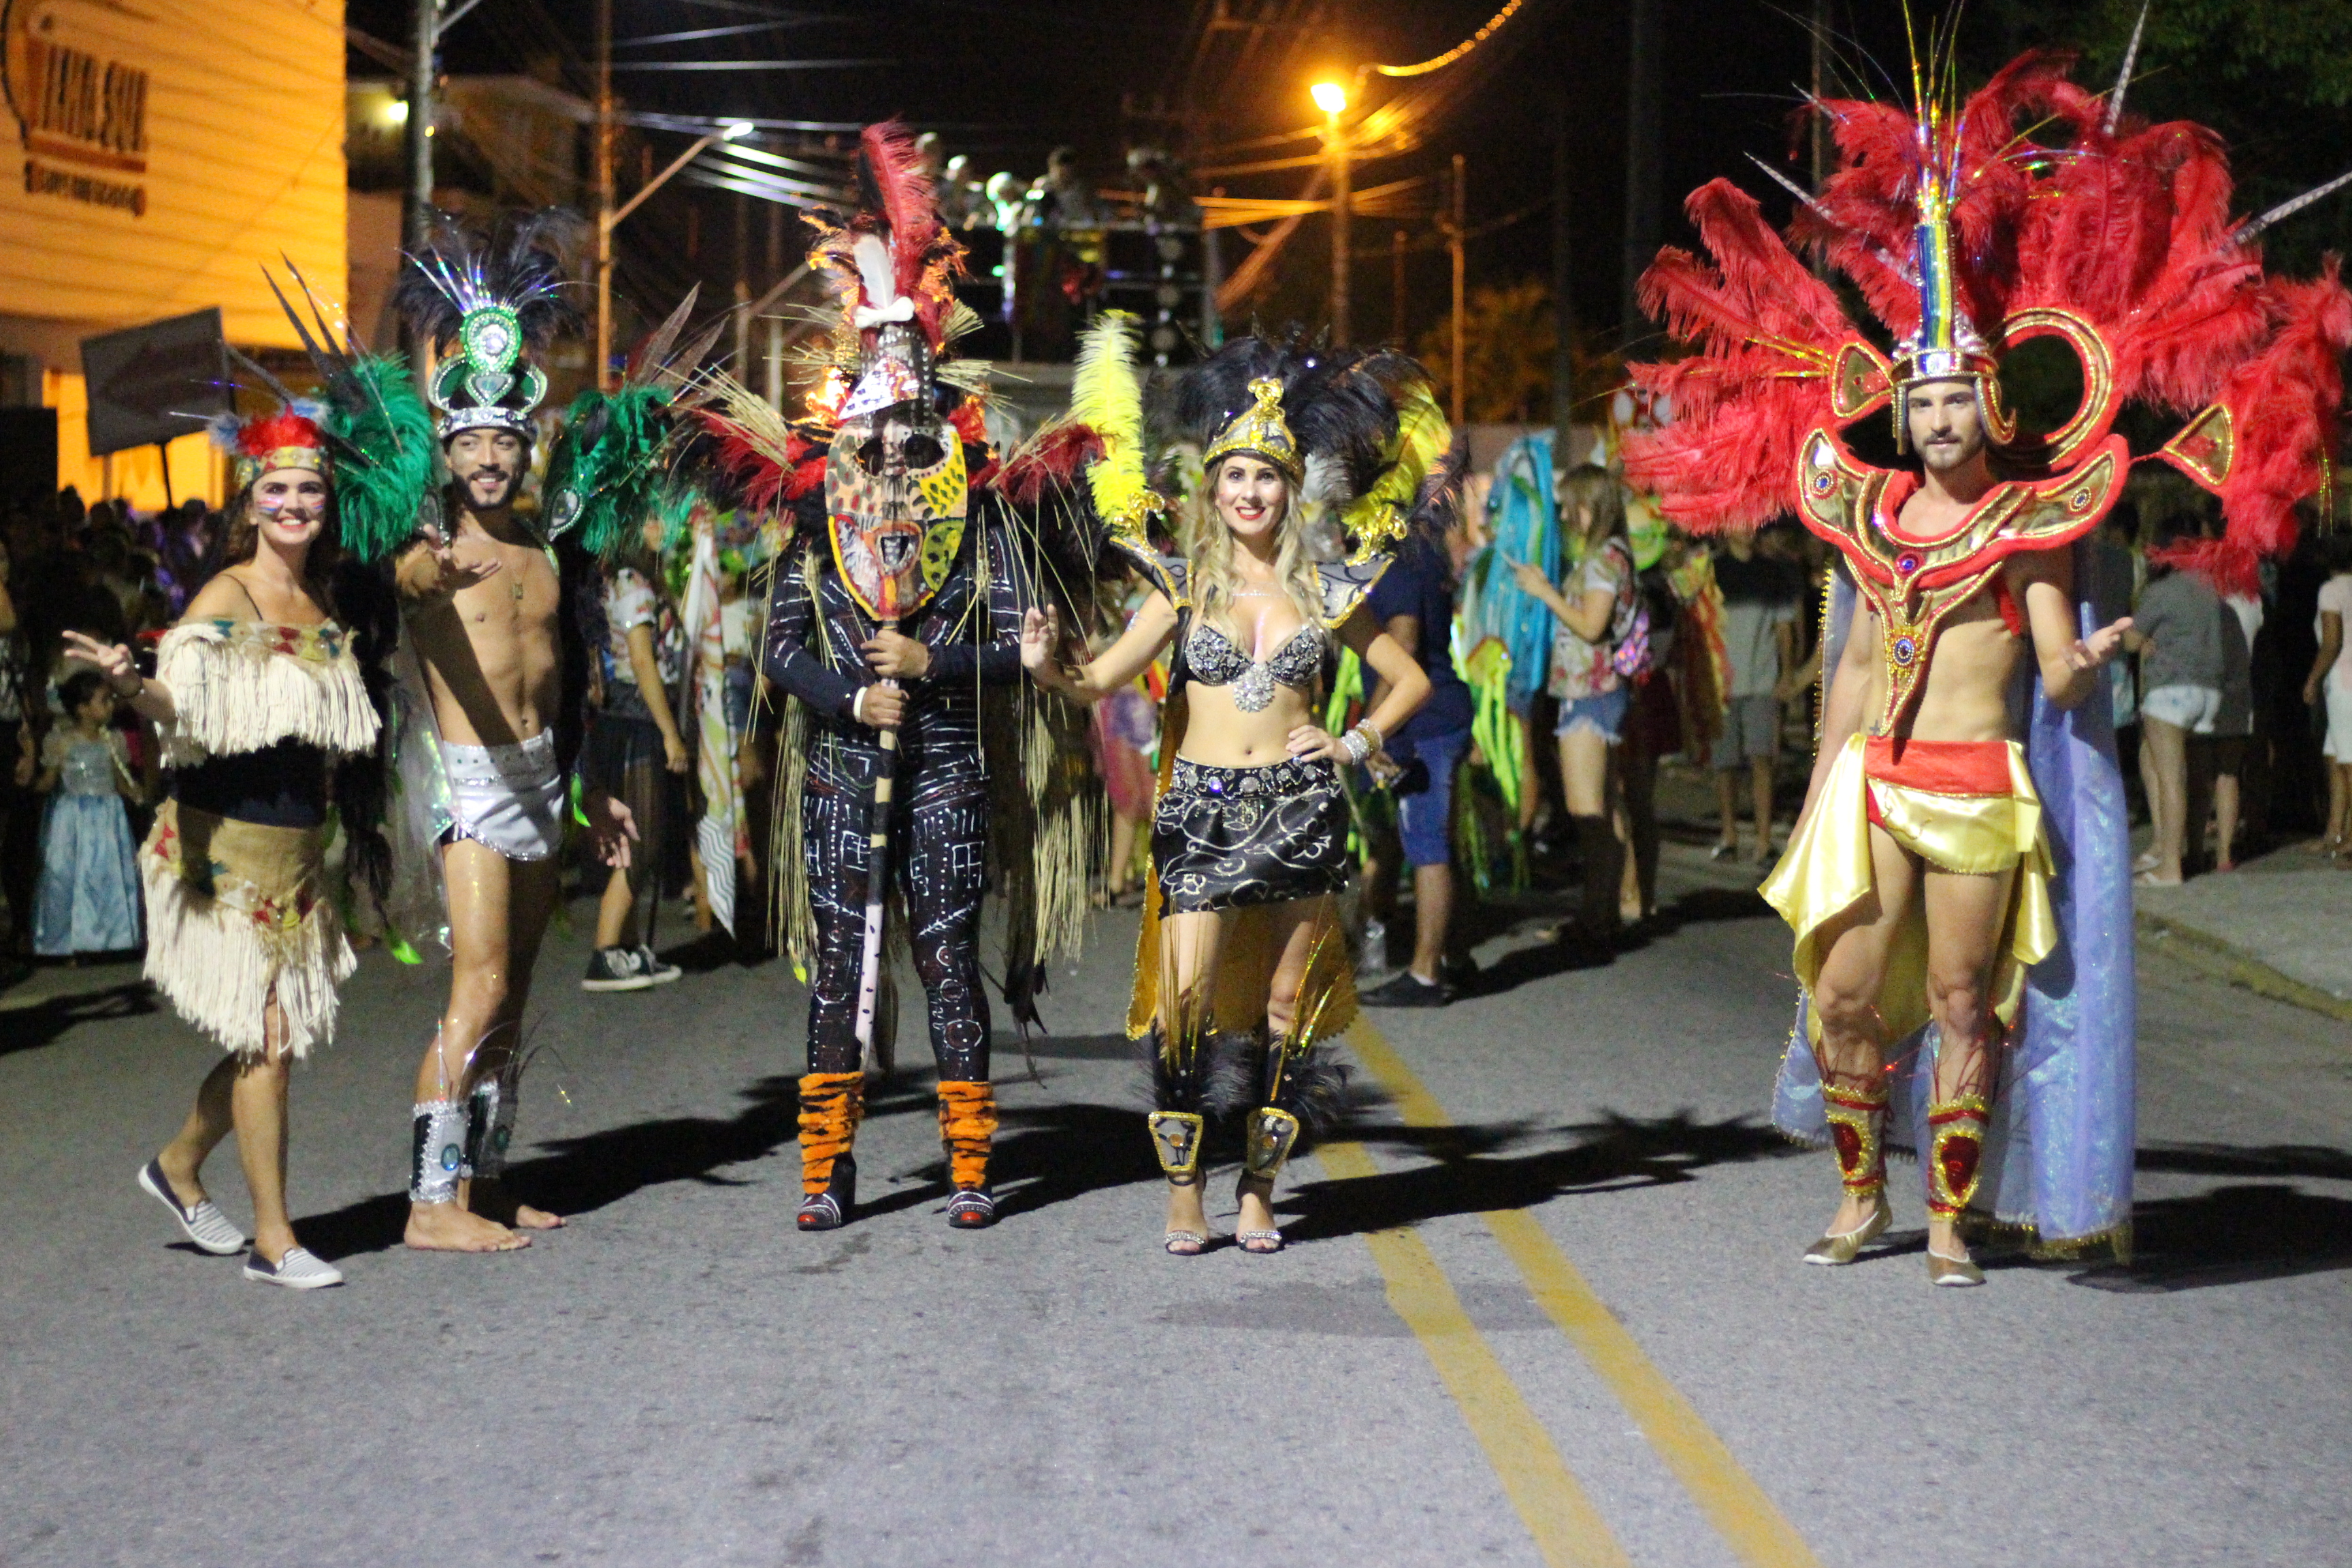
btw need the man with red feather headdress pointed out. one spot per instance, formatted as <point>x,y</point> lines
<point>892,633</point>
<point>1959,881</point>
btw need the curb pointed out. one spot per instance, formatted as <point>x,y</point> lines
<point>2209,955</point>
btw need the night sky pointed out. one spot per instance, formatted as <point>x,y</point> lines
<point>1006,82</point>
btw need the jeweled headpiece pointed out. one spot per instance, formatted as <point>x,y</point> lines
<point>1262,431</point>
<point>1946,346</point>
<point>484,300</point>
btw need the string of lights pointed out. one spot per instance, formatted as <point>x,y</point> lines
<point>1439,62</point>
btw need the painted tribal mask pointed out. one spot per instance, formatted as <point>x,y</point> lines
<point>895,494</point>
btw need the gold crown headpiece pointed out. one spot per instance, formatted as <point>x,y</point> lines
<point>1260,429</point>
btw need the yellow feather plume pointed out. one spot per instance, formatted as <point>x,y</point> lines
<point>1106,395</point>
<point>1378,518</point>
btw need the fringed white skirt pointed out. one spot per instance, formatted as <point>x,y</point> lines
<point>236,913</point>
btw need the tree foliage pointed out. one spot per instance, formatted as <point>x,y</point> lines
<point>2273,77</point>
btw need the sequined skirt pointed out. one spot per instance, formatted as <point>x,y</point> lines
<point>1226,838</point>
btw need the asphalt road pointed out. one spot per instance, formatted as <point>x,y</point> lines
<point>1543,1305</point>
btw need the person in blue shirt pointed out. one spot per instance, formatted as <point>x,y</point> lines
<point>1413,603</point>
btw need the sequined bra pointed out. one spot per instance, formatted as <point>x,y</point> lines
<point>1215,662</point>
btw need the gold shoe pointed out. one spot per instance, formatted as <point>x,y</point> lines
<point>1957,1272</point>
<point>1841,1248</point>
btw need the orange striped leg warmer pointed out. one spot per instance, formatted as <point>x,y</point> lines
<point>832,1105</point>
<point>967,1130</point>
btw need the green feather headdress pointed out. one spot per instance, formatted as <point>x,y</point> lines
<point>382,431</point>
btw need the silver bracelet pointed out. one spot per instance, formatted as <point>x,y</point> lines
<point>1359,747</point>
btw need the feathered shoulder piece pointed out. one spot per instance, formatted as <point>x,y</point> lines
<point>611,468</point>
<point>2031,208</point>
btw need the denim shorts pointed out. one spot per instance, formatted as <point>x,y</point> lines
<point>2184,707</point>
<point>1603,714</point>
<point>1425,817</point>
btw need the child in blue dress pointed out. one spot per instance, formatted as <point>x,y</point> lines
<point>88,900</point>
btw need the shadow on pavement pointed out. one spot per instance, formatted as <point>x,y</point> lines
<point>2234,1235</point>
<point>1616,1152</point>
<point>583,1175</point>
<point>38,1024</point>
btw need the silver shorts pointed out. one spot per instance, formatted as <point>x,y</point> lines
<point>508,797</point>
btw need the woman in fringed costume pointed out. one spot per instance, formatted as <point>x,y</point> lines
<point>268,694</point>
<point>1959,882</point>
<point>1242,969</point>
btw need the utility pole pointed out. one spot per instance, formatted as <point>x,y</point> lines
<point>604,191</point>
<point>1396,288</point>
<point>423,42</point>
<point>1563,281</point>
<point>1340,215</point>
<point>1644,165</point>
<point>1455,237</point>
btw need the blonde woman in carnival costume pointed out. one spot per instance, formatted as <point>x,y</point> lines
<point>1241,967</point>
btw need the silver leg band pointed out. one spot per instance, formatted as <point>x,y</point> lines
<point>437,1154</point>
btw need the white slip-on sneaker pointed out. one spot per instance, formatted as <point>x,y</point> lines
<point>299,1269</point>
<point>204,1224</point>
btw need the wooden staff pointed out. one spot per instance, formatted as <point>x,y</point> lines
<point>878,879</point>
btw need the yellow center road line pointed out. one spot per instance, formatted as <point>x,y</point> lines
<point>1738,1508</point>
<point>1568,1530</point>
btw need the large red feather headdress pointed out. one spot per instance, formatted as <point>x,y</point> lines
<point>2060,216</point>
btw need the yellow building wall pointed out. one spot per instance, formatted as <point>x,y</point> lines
<point>198,468</point>
<point>168,150</point>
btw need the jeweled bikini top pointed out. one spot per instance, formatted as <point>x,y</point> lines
<point>1215,662</point>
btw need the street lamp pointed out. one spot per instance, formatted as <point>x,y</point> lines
<point>1331,97</point>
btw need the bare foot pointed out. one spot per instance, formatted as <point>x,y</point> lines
<point>445,1227</point>
<point>1943,1241</point>
<point>490,1201</point>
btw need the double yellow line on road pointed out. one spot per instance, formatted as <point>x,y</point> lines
<point>1568,1530</point>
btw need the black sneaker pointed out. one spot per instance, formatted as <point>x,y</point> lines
<point>616,969</point>
<point>1408,990</point>
<point>657,973</point>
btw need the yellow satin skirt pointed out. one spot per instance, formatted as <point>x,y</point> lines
<point>1827,871</point>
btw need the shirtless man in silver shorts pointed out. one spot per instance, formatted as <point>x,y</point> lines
<point>485,612</point>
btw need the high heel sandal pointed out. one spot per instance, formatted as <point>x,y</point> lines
<point>1272,1134</point>
<point>1176,1139</point>
<point>1259,1243</point>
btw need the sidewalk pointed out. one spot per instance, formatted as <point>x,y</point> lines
<point>2288,913</point>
